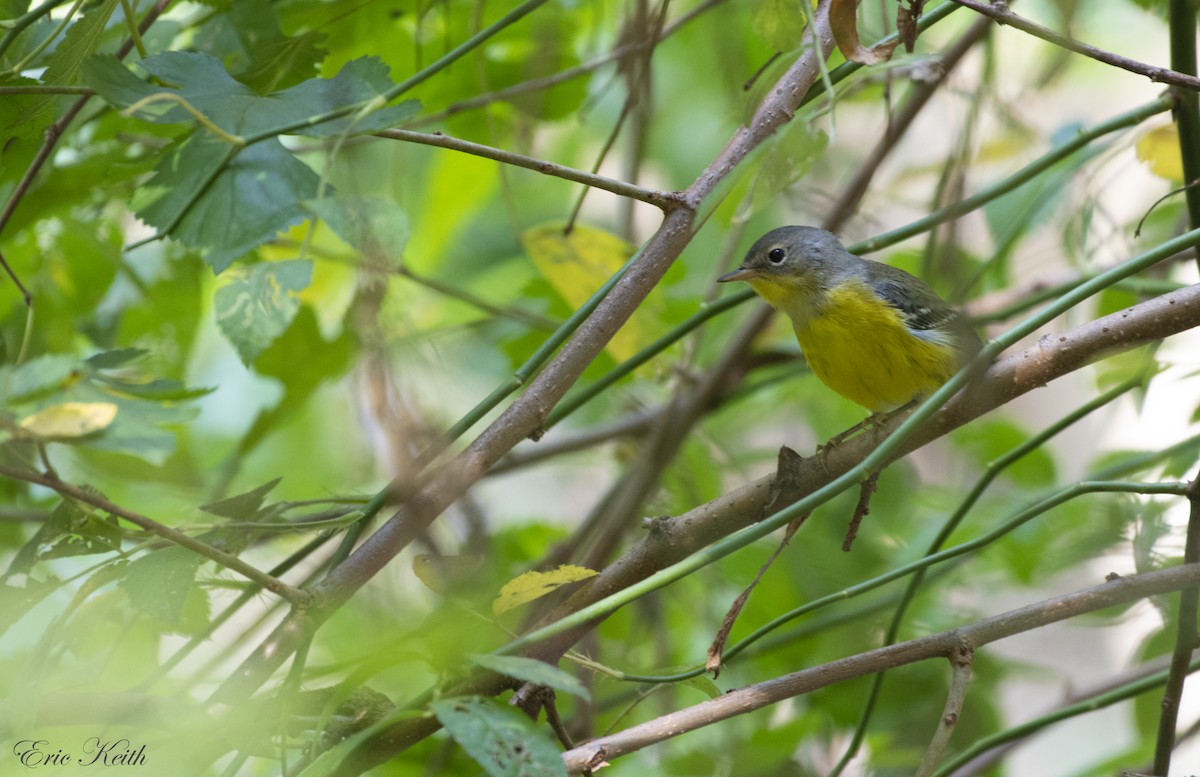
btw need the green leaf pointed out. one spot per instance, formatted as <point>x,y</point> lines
<point>63,67</point>
<point>159,390</point>
<point>36,376</point>
<point>791,154</point>
<point>242,507</point>
<point>25,115</point>
<point>780,23</point>
<point>158,583</point>
<point>531,670</point>
<point>69,531</point>
<point>79,42</point>
<point>376,226</point>
<point>275,61</point>
<point>357,81</point>
<point>204,83</point>
<point>260,303</point>
<point>107,360</point>
<point>301,360</point>
<point>253,197</point>
<point>500,739</point>
<point>247,195</point>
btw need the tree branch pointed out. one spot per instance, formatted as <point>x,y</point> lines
<point>663,200</point>
<point>943,645</point>
<point>670,540</point>
<point>1001,13</point>
<point>528,412</point>
<point>961,661</point>
<point>273,584</point>
<point>1185,643</point>
<point>674,539</point>
<point>55,130</point>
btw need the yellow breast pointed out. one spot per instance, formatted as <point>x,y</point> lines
<point>859,346</point>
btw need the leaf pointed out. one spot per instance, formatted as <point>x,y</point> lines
<point>68,531</point>
<point>531,670</point>
<point>260,303</point>
<point>302,359</point>
<point>1159,149</point>
<point>80,41</point>
<point>242,507</point>
<point>579,263</point>
<point>844,24</point>
<point>70,420</point>
<point>253,197</point>
<point>246,195</point>
<point>790,155</point>
<point>500,739</point>
<point>158,583</point>
<point>276,61</point>
<point>781,23</point>
<point>376,226</point>
<point>37,376</point>
<point>160,389</point>
<point>107,360</point>
<point>357,81</point>
<point>908,22</point>
<point>204,83</point>
<point>534,585</point>
<point>64,65</point>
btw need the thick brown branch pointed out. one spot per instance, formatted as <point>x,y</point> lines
<point>1120,590</point>
<point>528,412</point>
<point>1054,356</point>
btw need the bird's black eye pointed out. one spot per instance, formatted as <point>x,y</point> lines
<point>776,255</point>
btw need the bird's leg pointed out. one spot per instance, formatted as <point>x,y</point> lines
<point>873,423</point>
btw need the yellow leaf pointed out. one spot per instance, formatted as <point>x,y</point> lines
<point>579,263</point>
<point>1159,149</point>
<point>534,585</point>
<point>70,420</point>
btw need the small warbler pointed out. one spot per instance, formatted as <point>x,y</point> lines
<point>873,333</point>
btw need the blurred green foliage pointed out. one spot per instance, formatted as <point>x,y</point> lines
<point>310,311</point>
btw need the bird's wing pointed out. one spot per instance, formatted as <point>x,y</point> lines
<point>924,313</point>
<point>921,307</point>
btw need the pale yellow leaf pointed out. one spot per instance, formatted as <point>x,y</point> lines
<point>1159,149</point>
<point>70,420</point>
<point>579,263</point>
<point>534,585</point>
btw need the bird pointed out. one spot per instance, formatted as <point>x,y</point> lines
<point>873,333</point>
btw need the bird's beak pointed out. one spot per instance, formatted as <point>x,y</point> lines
<point>740,274</point>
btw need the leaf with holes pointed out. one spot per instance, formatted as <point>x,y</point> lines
<point>500,739</point>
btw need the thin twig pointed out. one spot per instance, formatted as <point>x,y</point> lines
<point>1001,13</point>
<point>55,130</point>
<point>861,510</point>
<point>43,89</point>
<point>554,79</point>
<point>1185,642</point>
<point>228,560</point>
<point>961,661</point>
<point>980,756</point>
<point>941,645</point>
<point>664,200</point>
